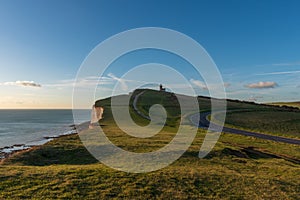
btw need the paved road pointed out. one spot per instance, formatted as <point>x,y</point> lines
<point>204,123</point>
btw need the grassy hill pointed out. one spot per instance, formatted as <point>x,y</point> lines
<point>239,167</point>
<point>270,119</point>
<point>273,122</point>
<point>291,104</point>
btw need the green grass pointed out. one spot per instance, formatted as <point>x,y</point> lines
<point>292,104</point>
<point>229,172</point>
<point>170,102</point>
<point>275,122</point>
<point>239,167</point>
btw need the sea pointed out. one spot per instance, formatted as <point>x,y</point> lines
<point>21,129</point>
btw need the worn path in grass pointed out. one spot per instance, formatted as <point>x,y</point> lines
<point>204,123</point>
<point>136,108</point>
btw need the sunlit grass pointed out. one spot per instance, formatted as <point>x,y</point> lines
<point>274,122</point>
<point>238,167</point>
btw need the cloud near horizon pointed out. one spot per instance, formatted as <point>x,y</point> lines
<point>198,83</point>
<point>261,85</point>
<point>22,83</point>
<point>203,86</point>
<point>120,80</point>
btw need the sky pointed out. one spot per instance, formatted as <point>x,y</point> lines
<point>254,44</point>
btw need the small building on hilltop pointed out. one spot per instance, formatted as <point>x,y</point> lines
<point>161,88</point>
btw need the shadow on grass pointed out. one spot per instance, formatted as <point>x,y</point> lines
<point>247,153</point>
<point>68,150</point>
<point>65,150</point>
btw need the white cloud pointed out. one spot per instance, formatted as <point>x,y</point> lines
<point>260,85</point>
<point>120,80</point>
<point>83,82</point>
<point>198,83</point>
<point>255,98</point>
<point>125,83</point>
<point>22,83</point>
<point>203,86</point>
<point>92,81</point>
<point>280,73</point>
<point>281,64</point>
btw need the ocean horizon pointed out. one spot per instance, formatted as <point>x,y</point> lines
<point>30,127</point>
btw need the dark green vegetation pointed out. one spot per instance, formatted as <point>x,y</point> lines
<point>239,167</point>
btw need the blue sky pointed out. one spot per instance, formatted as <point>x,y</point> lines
<point>255,45</point>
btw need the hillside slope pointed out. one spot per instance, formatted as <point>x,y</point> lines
<point>239,167</point>
<point>291,104</point>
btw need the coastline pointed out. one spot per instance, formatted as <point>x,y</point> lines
<point>8,151</point>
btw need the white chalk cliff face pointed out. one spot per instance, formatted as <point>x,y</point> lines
<point>96,114</point>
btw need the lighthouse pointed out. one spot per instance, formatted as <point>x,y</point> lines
<point>161,88</point>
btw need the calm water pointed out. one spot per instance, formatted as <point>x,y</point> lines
<point>31,126</point>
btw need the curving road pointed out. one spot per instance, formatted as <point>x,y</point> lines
<point>204,123</point>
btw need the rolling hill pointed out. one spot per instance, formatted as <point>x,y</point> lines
<point>239,167</point>
<point>291,104</point>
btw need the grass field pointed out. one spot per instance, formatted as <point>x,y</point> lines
<point>239,167</point>
<point>292,104</point>
<point>274,122</point>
